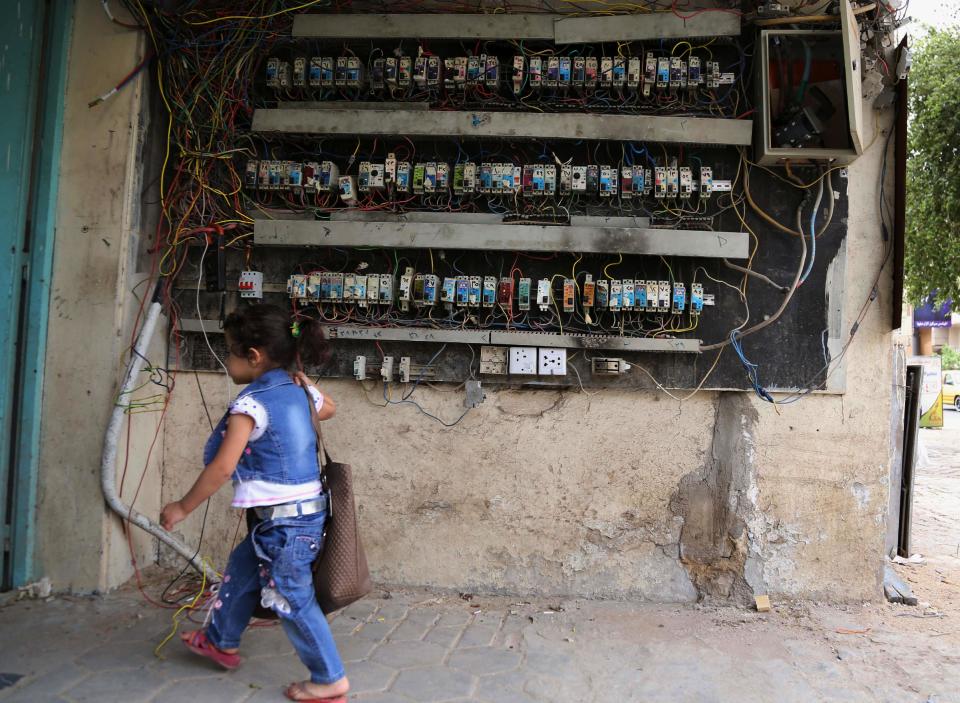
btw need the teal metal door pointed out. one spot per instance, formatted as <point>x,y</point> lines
<point>33,49</point>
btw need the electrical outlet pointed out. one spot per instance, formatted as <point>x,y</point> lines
<point>552,361</point>
<point>523,361</point>
<point>494,360</point>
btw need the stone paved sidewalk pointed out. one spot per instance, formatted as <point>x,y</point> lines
<point>420,646</point>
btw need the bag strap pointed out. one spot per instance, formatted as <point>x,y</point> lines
<point>322,456</point>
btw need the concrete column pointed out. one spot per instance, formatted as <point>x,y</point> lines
<point>79,546</point>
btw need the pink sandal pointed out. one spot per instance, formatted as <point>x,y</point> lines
<point>198,643</point>
<point>296,686</point>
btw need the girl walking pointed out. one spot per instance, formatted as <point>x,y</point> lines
<point>266,444</point>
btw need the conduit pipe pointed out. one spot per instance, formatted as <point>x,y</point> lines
<point>108,462</point>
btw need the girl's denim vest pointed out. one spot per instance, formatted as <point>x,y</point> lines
<point>287,451</point>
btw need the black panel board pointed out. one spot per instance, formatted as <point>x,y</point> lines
<point>791,352</point>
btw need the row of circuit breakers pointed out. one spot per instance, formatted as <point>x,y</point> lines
<point>469,178</point>
<point>422,290</point>
<point>462,72</point>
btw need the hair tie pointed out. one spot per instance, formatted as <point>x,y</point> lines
<point>295,329</point>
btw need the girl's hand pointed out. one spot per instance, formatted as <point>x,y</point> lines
<point>328,409</point>
<point>171,514</point>
<point>301,379</point>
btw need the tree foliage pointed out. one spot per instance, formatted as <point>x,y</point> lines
<point>933,169</point>
<point>949,358</point>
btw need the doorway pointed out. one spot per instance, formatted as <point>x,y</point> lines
<point>30,136</point>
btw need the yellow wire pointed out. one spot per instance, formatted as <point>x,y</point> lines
<point>256,17</point>
<point>189,606</point>
<point>163,95</point>
<point>612,263</point>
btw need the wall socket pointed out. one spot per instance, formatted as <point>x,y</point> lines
<point>494,360</point>
<point>552,362</point>
<point>523,361</point>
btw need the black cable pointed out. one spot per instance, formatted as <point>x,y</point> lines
<point>206,509</point>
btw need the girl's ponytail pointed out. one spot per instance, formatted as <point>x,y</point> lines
<point>288,340</point>
<point>311,342</point>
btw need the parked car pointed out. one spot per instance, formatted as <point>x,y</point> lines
<point>951,389</point>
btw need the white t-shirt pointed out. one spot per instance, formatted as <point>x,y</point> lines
<point>256,493</point>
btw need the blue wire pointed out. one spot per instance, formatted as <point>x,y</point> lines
<point>752,369</point>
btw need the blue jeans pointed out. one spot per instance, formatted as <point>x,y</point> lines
<point>274,564</point>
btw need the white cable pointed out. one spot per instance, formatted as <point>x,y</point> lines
<point>108,461</point>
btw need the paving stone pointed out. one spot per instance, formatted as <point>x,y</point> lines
<point>40,699</point>
<point>477,636</point>
<point>488,617</point>
<point>402,655</point>
<point>367,676</point>
<point>354,648</point>
<point>444,636</point>
<point>454,618</point>
<point>549,688</point>
<point>127,685</point>
<point>270,672</point>
<point>45,685</point>
<point>119,655</point>
<point>504,687</point>
<point>361,609</point>
<point>422,616</point>
<point>483,660</point>
<point>375,631</point>
<point>382,698</point>
<point>269,640</point>
<point>550,663</point>
<point>392,611</point>
<point>267,694</point>
<point>410,630</point>
<point>346,625</point>
<point>435,683</point>
<point>180,663</point>
<point>217,689</point>
<point>619,655</point>
<point>41,655</point>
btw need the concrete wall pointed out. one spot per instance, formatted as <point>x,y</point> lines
<point>535,491</point>
<point>79,546</point>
